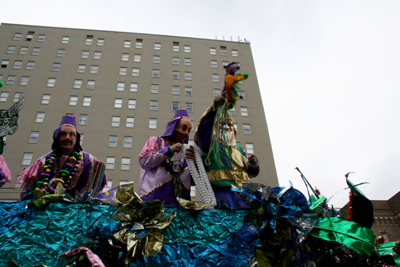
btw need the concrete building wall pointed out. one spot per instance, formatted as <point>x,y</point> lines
<point>98,128</point>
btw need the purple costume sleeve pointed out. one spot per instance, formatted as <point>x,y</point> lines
<point>151,156</point>
<point>204,131</point>
<point>5,175</point>
<point>2,180</point>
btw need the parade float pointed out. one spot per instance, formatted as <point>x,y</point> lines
<point>280,226</point>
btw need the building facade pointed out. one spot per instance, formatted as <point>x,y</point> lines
<point>122,88</point>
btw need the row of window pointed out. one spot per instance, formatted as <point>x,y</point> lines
<point>29,37</point>
<point>125,161</point>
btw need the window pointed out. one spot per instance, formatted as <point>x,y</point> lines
<point>30,65</point>
<point>120,87</point>
<point>11,49</point>
<point>16,97</point>
<point>241,95</point>
<point>41,38</point>
<point>175,60</point>
<point>175,75</point>
<point>214,64</point>
<point>225,63</point>
<point>175,90</point>
<point>215,78</point>
<point>123,71</point>
<point>134,87</point>
<point>89,40</point>
<point>51,82</point>
<point>188,62</point>
<point>137,58</point>
<point>40,117</point>
<point>157,46</point>
<point>10,80</point>
<point>94,69</point>
<point>188,76</point>
<point>155,74</point>
<point>56,67</point>
<point>246,129</point>
<point>100,42</point>
<point>65,40</point>
<point>127,44</point>
<point>189,107</point>
<point>216,92</point>
<point>234,53</point>
<point>156,59</point>
<point>112,141</point>
<point>73,100</point>
<point>243,111</point>
<point>45,99</point>
<point>81,68</point>
<point>17,36</point>
<point>108,186</point>
<point>115,121</point>
<point>139,43</point>
<point>129,122</point>
<point>125,57</point>
<point>152,123</point>
<point>175,46</point>
<point>4,63</point>
<point>131,104</point>
<point>232,111</point>
<point>33,137</point>
<point>118,103</point>
<point>125,164</point>
<point>86,101</point>
<point>83,119</point>
<point>4,96</point>
<point>60,52</point>
<point>135,72</point>
<point>77,84</point>
<point>26,160</point>
<point>29,36</point>
<point>17,64</point>
<point>90,85</point>
<point>175,106</point>
<point>24,80</point>
<point>188,90</point>
<point>128,141</point>
<point>213,51</point>
<point>85,54</point>
<point>187,48</point>
<point>223,51</point>
<point>110,162</point>
<point>97,55</point>
<point>153,105</point>
<point>249,148</point>
<point>154,88</point>
<point>23,50</point>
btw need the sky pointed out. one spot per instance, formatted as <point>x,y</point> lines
<point>328,72</point>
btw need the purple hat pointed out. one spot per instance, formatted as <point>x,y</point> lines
<point>67,120</point>
<point>180,113</point>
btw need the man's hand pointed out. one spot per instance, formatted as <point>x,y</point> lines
<point>176,147</point>
<point>253,161</point>
<point>190,154</point>
<point>218,100</point>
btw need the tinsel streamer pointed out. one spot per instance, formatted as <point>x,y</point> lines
<point>397,248</point>
<point>296,246</point>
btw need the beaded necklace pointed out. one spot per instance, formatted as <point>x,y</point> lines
<point>51,173</point>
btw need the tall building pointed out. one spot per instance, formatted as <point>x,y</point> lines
<point>122,88</point>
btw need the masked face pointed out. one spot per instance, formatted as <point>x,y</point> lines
<point>67,139</point>
<point>182,131</point>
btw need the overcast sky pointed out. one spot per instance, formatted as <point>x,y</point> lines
<point>328,73</point>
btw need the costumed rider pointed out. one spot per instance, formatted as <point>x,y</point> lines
<point>160,178</point>
<point>76,170</point>
<point>8,126</point>
<point>225,161</point>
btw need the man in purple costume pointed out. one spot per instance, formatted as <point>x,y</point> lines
<point>160,178</point>
<point>85,172</point>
